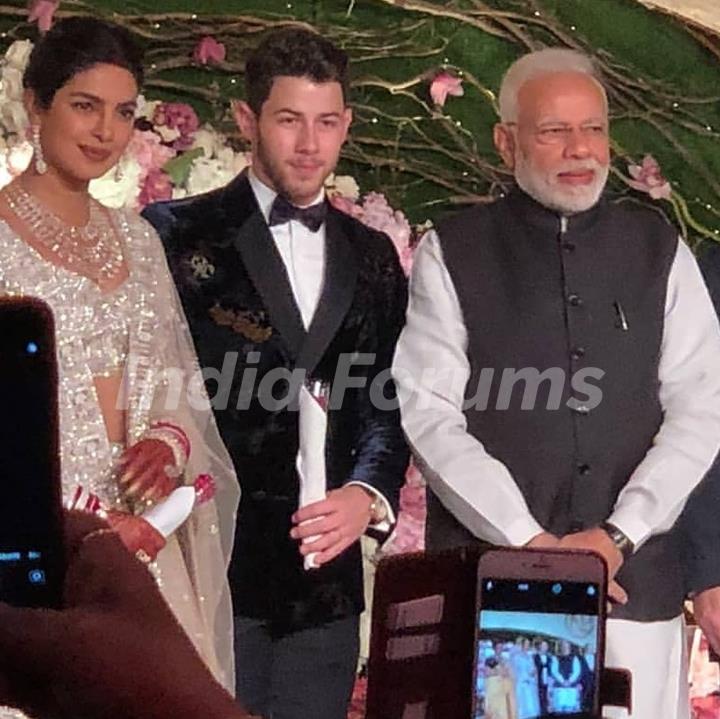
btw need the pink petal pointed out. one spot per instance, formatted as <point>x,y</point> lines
<point>438,93</point>
<point>663,192</point>
<point>42,11</point>
<point>635,171</point>
<point>209,51</point>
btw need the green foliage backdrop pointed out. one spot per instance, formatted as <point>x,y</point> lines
<point>663,78</point>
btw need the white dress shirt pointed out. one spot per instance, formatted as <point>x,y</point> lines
<point>303,254</point>
<point>477,487</point>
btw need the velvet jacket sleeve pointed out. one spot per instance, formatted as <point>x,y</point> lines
<point>381,452</point>
<point>700,521</point>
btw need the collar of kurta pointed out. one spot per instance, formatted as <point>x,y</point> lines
<point>543,218</point>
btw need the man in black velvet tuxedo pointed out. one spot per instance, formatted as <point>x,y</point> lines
<point>275,280</point>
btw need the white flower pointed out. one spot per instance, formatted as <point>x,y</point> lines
<point>12,83</point>
<point>168,134</point>
<point>13,117</point>
<point>18,53</point>
<point>146,108</point>
<point>19,157</point>
<point>208,174</point>
<point>123,193</point>
<point>6,176</point>
<point>344,185</point>
<point>207,139</point>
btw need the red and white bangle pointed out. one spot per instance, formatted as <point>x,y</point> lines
<point>175,438</point>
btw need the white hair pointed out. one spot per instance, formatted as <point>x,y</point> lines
<point>549,61</point>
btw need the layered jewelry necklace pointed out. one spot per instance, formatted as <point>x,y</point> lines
<point>93,250</point>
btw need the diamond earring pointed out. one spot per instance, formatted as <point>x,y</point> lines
<point>40,164</point>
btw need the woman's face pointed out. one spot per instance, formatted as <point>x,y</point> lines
<point>89,122</point>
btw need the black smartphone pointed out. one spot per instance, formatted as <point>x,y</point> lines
<point>32,557</point>
<point>540,634</point>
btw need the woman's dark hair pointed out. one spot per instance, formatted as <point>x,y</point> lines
<point>293,52</point>
<point>76,44</point>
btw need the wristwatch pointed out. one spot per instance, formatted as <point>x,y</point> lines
<point>619,539</point>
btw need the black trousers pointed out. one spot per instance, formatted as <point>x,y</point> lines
<point>308,674</point>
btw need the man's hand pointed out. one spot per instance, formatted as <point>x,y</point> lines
<point>544,540</point>
<point>598,541</point>
<point>335,522</point>
<point>706,608</point>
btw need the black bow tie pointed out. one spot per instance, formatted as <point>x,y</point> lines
<point>283,211</point>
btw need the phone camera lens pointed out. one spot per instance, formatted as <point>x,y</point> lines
<point>36,576</point>
<point>31,348</point>
<point>556,588</point>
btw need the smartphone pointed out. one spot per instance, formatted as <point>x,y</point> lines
<point>32,557</point>
<point>539,634</point>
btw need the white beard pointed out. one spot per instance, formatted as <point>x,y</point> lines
<point>566,199</point>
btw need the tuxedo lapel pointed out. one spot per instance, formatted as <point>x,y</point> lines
<point>265,267</point>
<point>336,296</point>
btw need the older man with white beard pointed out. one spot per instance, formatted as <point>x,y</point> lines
<point>558,370</point>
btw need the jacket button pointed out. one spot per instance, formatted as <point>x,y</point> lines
<point>583,470</point>
<point>574,300</point>
<point>577,353</point>
<point>580,408</point>
<point>568,247</point>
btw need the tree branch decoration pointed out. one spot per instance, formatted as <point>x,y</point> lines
<point>425,155</point>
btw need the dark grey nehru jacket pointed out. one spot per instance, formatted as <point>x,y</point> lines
<point>586,294</point>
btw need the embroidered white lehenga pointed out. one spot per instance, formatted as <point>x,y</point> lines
<point>140,328</point>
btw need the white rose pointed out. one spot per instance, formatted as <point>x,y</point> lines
<point>207,139</point>
<point>118,193</point>
<point>346,186</point>
<point>12,84</point>
<point>207,175</point>
<point>18,54</point>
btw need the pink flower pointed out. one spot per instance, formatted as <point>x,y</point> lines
<point>149,152</point>
<point>378,214</point>
<point>178,116</point>
<point>346,205</point>
<point>209,51</point>
<point>42,11</point>
<point>648,178</point>
<point>445,84</point>
<point>157,186</point>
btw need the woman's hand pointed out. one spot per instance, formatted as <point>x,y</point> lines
<point>144,468</point>
<point>86,660</point>
<point>136,534</point>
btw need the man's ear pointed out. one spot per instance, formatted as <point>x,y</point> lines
<point>245,119</point>
<point>505,143</point>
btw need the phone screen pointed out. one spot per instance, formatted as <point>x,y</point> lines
<point>536,649</point>
<point>31,546</point>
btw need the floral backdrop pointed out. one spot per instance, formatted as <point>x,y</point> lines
<point>424,98</point>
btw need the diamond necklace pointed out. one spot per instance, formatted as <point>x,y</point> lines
<point>93,250</point>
